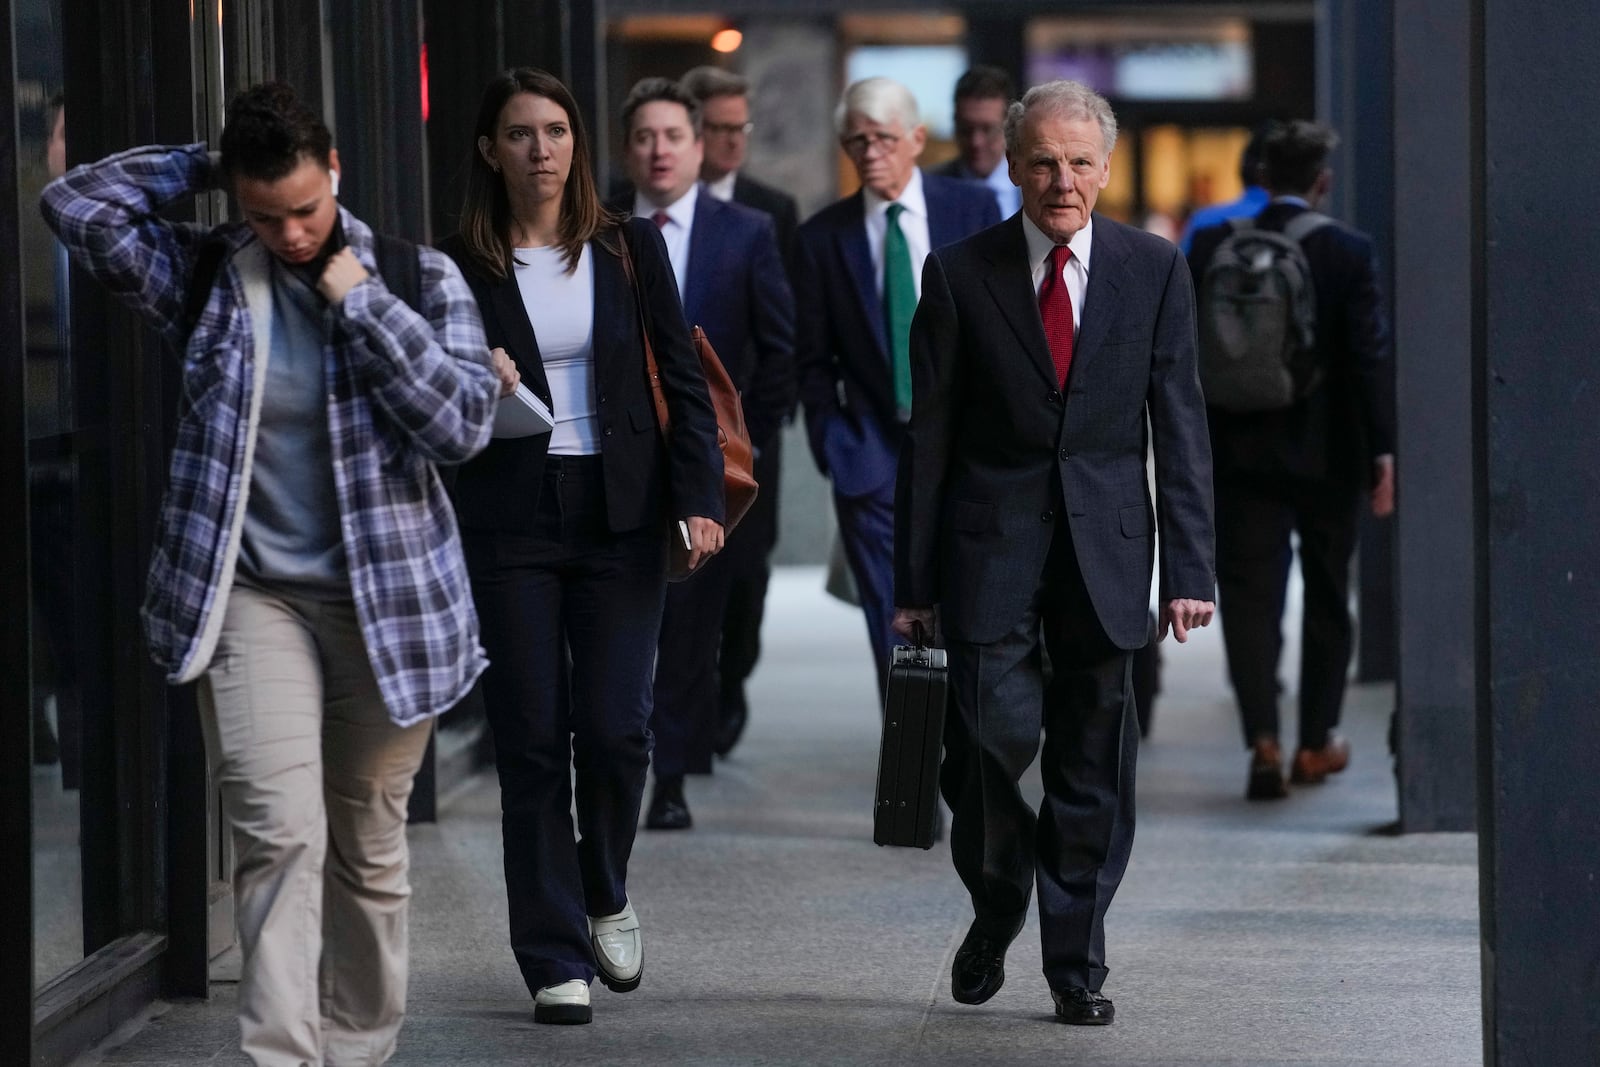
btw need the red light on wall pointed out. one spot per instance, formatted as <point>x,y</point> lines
<point>424,79</point>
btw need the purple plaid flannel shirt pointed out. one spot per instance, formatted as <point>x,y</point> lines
<point>405,391</point>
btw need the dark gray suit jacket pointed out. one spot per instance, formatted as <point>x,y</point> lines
<point>993,446</point>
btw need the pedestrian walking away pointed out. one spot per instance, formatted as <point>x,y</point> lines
<point>564,532</point>
<point>1300,461</point>
<point>307,569</point>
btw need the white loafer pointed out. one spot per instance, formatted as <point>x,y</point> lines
<point>565,1003</point>
<point>618,949</point>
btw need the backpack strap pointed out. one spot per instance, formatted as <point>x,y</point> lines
<point>207,264</point>
<point>1305,224</point>
<point>398,266</point>
<point>1241,223</point>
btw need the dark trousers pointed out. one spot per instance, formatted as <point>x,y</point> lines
<point>866,526</point>
<point>749,555</point>
<point>687,693</point>
<point>1255,515</point>
<point>1077,847</point>
<point>570,613</point>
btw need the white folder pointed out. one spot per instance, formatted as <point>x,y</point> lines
<point>522,415</point>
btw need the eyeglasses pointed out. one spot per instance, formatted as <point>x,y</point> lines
<point>729,129</point>
<point>989,131</point>
<point>858,144</point>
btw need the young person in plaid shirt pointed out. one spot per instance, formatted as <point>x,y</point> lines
<point>307,570</point>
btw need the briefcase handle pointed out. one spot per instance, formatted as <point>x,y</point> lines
<point>919,636</point>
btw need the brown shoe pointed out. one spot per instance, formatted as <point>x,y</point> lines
<point>1266,772</point>
<point>1313,765</point>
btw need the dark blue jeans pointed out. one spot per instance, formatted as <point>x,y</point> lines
<point>570,613</point>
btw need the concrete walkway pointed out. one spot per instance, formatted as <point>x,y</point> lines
<point>776,933</point>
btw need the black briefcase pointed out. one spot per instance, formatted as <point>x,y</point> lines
<point>907,809</point>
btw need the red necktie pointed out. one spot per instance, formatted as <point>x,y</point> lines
<point>1055,309</point>
<point>661,218</point>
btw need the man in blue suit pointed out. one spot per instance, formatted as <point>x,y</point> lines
<point>733,284</point>
<point>858,270</point>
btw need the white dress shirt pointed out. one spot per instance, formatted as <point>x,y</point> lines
<point>1008,196</point>
<point>722,188</point>
<point>913,223</point>
<point>680,223</point>
<point>1076,273</point>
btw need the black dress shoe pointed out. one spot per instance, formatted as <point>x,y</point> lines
<point>1083,1007</point>
<point>732,716</point>
<point>668,809</point>
<point>980,966</point>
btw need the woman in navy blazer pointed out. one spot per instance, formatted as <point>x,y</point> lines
<point>565,533</point>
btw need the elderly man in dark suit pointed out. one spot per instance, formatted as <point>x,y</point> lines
<point>1039,350</point>
<point>1303,468</point>
<point>857,270</point>
<point>726,125</point>
<point>733,284</point>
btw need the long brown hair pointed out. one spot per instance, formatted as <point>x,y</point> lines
<point>486,209</point>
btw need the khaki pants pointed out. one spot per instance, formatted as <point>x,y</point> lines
<point>314,780</point>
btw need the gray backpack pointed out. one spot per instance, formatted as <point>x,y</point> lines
<point>1258,318</point>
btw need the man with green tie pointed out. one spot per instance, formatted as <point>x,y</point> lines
<point>858,268</point>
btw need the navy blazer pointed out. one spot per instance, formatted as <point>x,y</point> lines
<point>739,294</point>
<point>770,201</point>
<point>498,491</point>
<point>994,448</point>
<point>1334,434</point>
<point>846,382</point>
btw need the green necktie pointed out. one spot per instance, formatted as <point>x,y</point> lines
<point>899,303</point>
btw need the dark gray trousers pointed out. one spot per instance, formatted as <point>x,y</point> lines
<point>1077,846</point>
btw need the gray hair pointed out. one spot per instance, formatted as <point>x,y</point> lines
<point>708,83</point>
<point>1069,99</point>
<point>883,100</point>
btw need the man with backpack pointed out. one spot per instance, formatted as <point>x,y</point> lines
<point>1295,364</point>
<point>307,571</point>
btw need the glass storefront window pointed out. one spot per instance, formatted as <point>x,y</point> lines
<point>54,514</point>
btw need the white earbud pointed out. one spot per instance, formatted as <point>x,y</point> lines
<point>334,175</point>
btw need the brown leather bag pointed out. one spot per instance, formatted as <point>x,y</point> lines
<point>739,487</point>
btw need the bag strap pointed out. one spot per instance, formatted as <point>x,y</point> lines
<point>397,265</point>
<point>652,369</point>
<point>207,263</point>
<point>1305,224</point>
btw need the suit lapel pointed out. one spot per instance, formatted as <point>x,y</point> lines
<point>1011,285</point>
<point>611,290</point>
<point>857,255</point>
<point>1107,256</point>
<point>517,333</point>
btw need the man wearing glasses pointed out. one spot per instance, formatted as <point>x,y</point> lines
<point>858,271</point>
<point>724,99</point>
<point>981,98</point>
